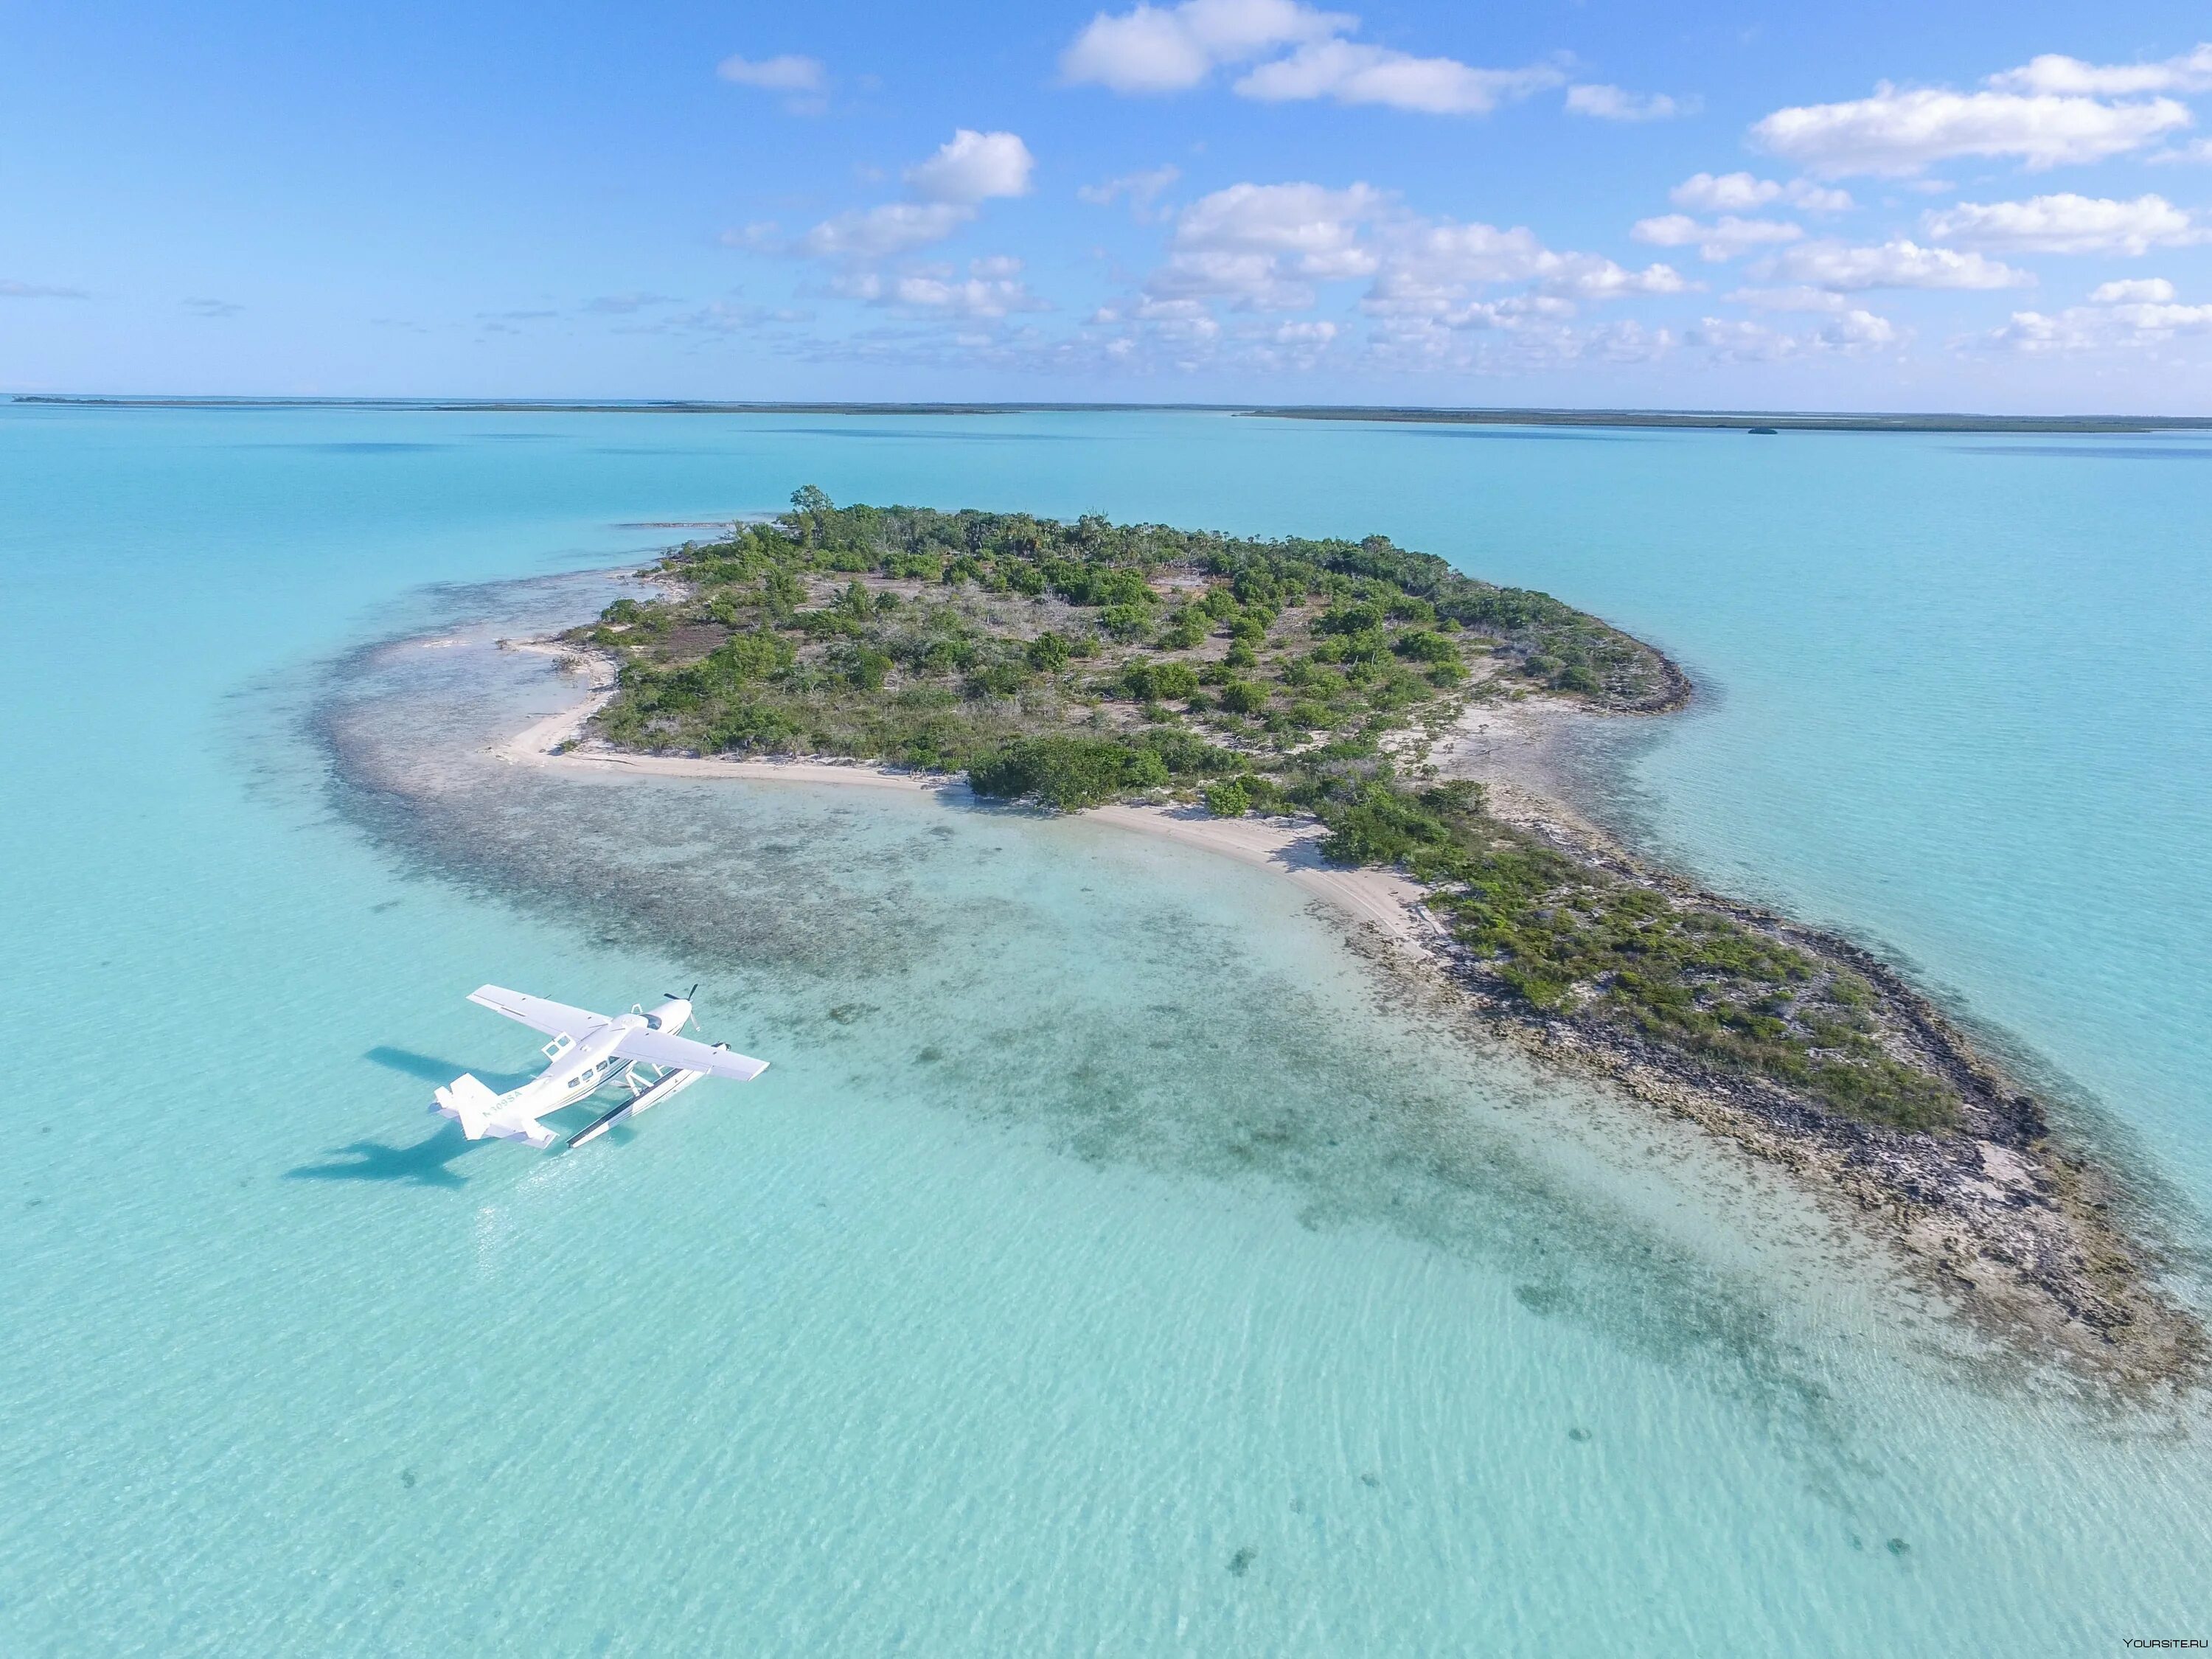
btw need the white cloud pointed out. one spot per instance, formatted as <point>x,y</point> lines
<point>1856,329</point>
<point>1352,73</point>
<point>967,169</point>
<point>1296,346</point>
<point>2066,224</point>
<point>1305,219</point>
<point>973,167</point>
<point>1249,282</point>
<point>1612,104</point>
<point>2149,322</point>
<point>2054,72</point>
<point>2142,290</point>
<point>1262,246</point>
<point>2196,152</point>
<point>1628,341</point>
<point>1171,49</point>
<point>802,80</point>
<point>1153,49</point>
<point>1431,272</point>
<point>787,73</point>
<point>1900,131</point>
<point>1799,297</point>
<point>1724,238</point>
<point>15,290</point>
<point>877,232</point>
<point>992,290</point>
<point>1837,265</point>
<point>1142,189</point>
<point>1738,192</point>
<point>1267,248</point>
<point>2120,317</point>
<point>1507,337</point>
<point>1589,277</point>
<point>1734,340</point>
<point>1431,267</point>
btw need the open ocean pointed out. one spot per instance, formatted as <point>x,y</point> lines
<point>1112,1262</point>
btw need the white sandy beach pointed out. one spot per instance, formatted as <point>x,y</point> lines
<point>1386,902</point>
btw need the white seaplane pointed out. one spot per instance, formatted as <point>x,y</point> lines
<point>641,1051</point>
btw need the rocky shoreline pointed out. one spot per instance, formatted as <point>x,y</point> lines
<point>2001,1215</point>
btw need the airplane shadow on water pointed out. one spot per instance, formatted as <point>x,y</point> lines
<point>428,1163</point>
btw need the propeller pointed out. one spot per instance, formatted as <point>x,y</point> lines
<point>685,997</point>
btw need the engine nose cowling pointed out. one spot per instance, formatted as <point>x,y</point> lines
<point>670,1016</point>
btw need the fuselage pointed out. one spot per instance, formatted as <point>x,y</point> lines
<point>580,1070</point>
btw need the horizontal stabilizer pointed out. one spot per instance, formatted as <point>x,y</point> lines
<point>480,1112</point>
<point>469,1102</point>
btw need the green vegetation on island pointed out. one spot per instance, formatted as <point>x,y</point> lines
<point>1075,664</point>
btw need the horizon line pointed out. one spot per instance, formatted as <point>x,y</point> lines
<point>1708,419</point>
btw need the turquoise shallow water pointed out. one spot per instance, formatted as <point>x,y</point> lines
<point>1110,1263</point>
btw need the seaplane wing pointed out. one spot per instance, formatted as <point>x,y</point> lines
<point>554,1019</point>
<point>683,1055</point>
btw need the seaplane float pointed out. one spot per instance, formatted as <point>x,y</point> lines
<point>641,1051</point>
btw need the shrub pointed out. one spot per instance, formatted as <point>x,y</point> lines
<point>744,657</point>
<point>1066,772</point>
<point>751,727</point>
<point>866,667</point>
<point>1185,630</point>
<point>1183,751</point>
<point>1424,645</point>
<point>943,656</point>
<point>1148,681</point>
<point>929,567</point>
<point>1174,679</point>
<point>999,679</point>
<point>1376,829</point>
<point>1243,697</point>
<point>1230,798</point>
<point>1126,622</point>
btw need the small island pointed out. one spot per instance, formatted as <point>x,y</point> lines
<point>1327,682</point>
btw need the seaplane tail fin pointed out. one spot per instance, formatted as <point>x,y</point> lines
<point>469,1102</point>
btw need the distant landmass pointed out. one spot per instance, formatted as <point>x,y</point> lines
<point>1749,421</point>
<point>1685,419</point>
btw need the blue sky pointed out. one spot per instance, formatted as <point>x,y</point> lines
<point>1959,206</point>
